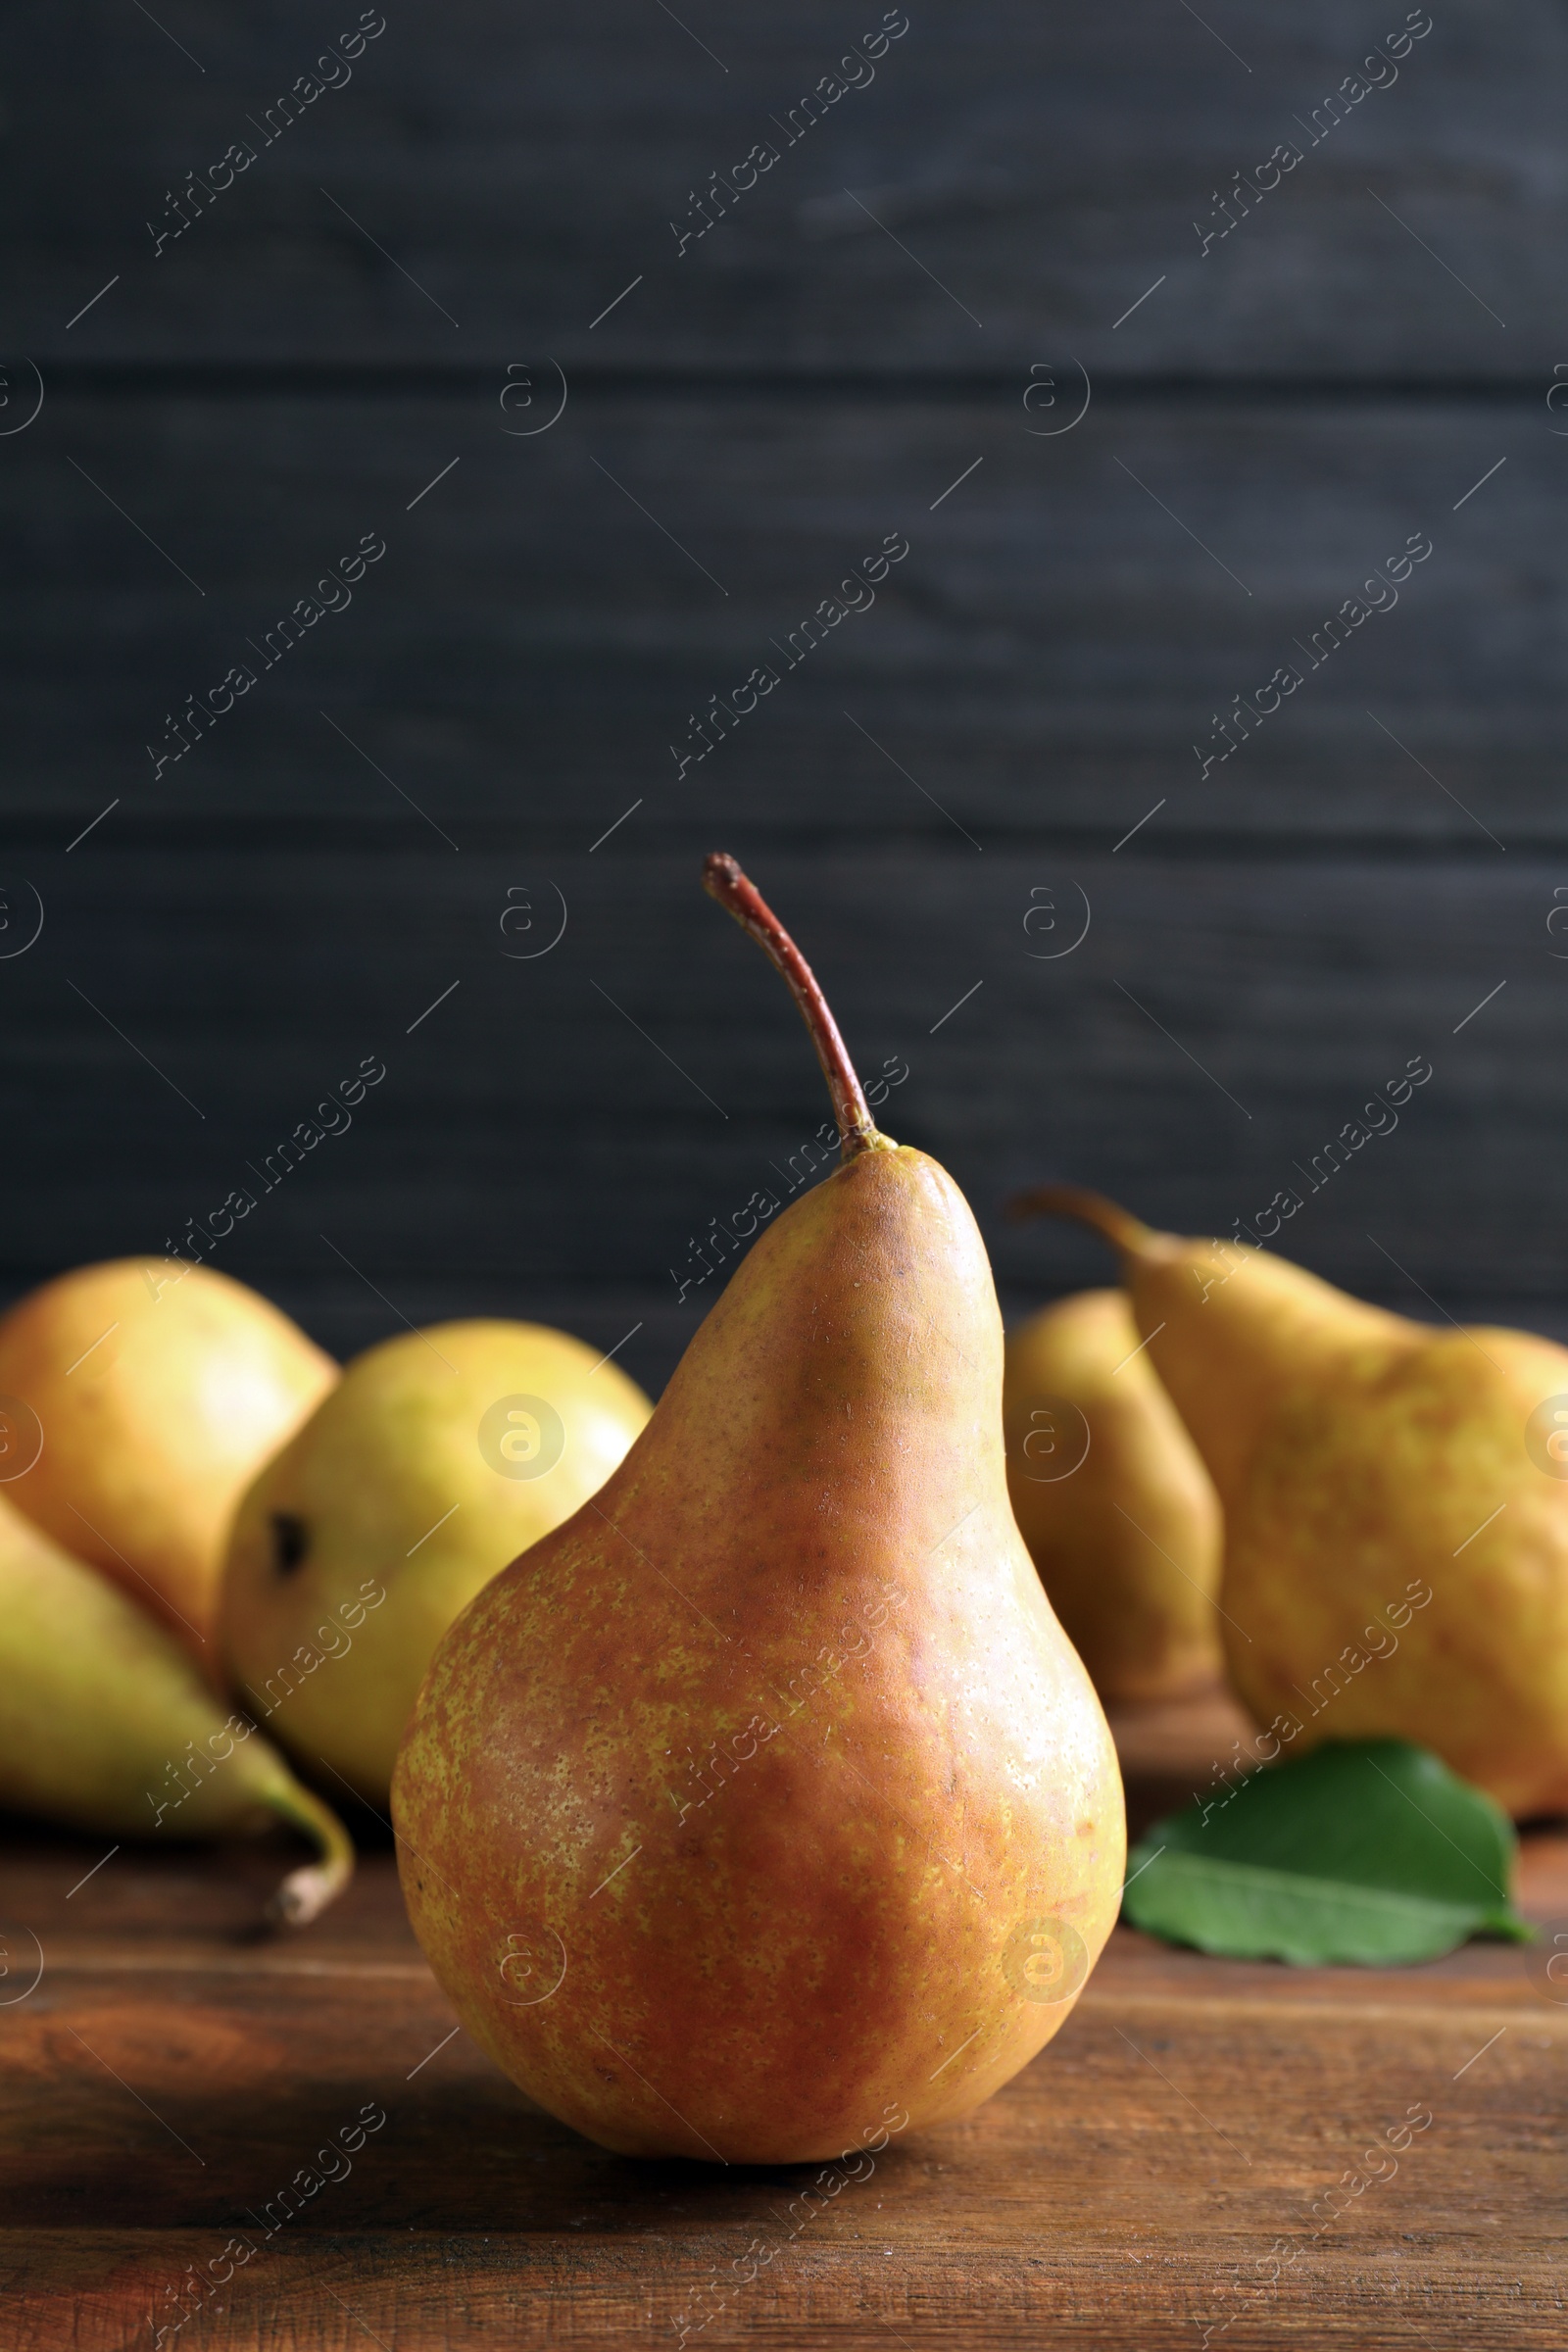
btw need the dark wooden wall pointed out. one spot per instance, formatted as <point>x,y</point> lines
<point>1280,414</point>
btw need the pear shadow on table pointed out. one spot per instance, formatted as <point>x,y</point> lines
<point>367,1825</point>
<point>470,2156</point>
<point>131,1890</point>
<point>1175,1751</point>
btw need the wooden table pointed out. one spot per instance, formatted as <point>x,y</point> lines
<point>172,2072</point>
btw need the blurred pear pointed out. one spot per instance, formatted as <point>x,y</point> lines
<point>106,1725</point>
<point>438,1457</point>
<point>1396,1499</point>
<point>138,1399</point>
<point>1113,1500</point>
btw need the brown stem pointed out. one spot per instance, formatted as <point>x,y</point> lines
<point>306,1892</point>
<point>723,880</point>
<point>1123,1231</point>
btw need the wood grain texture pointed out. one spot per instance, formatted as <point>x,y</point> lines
<point>337,850</point>
<point>497,173</point>
<point>1128,2185</point>
<point>560,1137</point>
<point>534,640</point>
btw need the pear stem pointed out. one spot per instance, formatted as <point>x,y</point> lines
<point>723,880</point>
<point>306,1892</point>
<point>1126,1233</point>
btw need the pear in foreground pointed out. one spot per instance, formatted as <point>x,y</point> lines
<point>1120,1516</point>
<point>763,1809</point>
<point>107,1725</point>
<point>137,1402</point>
<point>1395,1516</point>
<point>437,1457</point>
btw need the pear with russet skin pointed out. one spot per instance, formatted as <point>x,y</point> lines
<point>764,1808</point>
<point>1110,1496</point>
<point>137,1402</point>
<point>1396,1520</point>
<point>439,1455</point>
<point>107,1725</point>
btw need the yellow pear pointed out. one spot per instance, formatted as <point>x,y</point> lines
<point>437,1459</point>
<point>1395,1501</point>
<point>1120,1516</point>
<point>107,1725</point>
<point>137,1402</point>
<point>763,1810</point>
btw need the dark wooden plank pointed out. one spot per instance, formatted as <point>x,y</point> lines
<point>558,1136</point>
<point>533,643</point>
<point>1331,900</point>
<point>1129,2185</point>
<point>1044,166</point>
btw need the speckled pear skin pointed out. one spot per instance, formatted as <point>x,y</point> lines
<point>1126,1535</point>
<point>1356,1565</point>
<point>736,1815</point>
<point>1363,1461</point>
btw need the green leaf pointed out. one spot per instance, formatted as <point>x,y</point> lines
<point>1370,1851</point>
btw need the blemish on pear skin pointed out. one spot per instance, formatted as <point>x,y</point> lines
<point>290,1541</point>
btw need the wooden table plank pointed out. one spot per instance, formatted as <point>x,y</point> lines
<point>1318,910</point>
<point>1044,167</point>
<point>1127,2187</point>
<point>1045,656</point>
<point>484,1175</point>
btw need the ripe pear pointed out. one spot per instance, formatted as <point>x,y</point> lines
<point>137,1402</point>
<point>439,1455</point>
<point>764,1809</point>
<point>1111,1497</point>
<point>107,1725</point>
<point>1395,1507</point>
